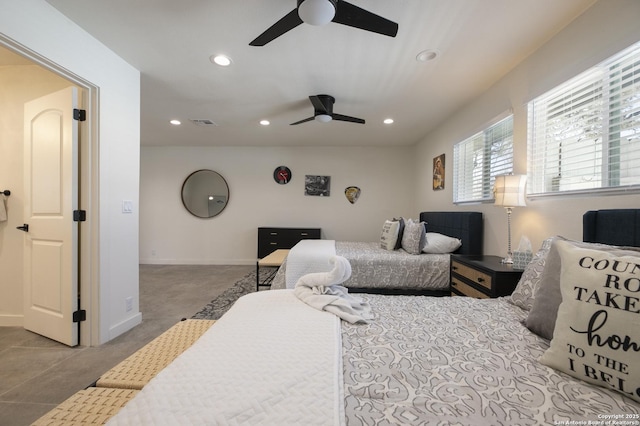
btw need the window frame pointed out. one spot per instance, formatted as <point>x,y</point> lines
<point>606,83</point>
<point>478,187</point>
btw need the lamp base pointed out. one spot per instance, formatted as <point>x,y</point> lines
<point>508,260</point>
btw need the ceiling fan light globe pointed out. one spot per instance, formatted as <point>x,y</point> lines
<point>316,12</point>
<point>323,118</point>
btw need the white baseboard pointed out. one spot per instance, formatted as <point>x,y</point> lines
<point>11,320</point>
<point>156,261</point>
<point>125,326</point>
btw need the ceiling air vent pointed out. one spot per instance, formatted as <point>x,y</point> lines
<point>203,122</point>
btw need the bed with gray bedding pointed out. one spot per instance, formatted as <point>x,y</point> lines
<point>376,270</point>
<point>422,360</point>
<point>460,361</point>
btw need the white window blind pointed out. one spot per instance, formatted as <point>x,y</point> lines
<point>479,159</point>
<point>585,134</point>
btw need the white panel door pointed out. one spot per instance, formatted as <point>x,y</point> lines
<point>51,195</point>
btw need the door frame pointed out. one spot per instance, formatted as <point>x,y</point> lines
<point>88,190</point>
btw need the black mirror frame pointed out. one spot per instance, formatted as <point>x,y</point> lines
<point>190,208</point>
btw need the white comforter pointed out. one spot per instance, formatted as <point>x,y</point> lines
<point>246,370</point>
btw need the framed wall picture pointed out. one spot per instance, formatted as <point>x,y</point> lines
<point>319,186</point>
<point>438,172</point>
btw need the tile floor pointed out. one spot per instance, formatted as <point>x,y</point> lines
<point>36,373</point>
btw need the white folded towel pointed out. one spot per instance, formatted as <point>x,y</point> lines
<point>3,209</point>
<point>321,291</point>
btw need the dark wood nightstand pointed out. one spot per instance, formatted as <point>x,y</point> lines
<point>482,276</point>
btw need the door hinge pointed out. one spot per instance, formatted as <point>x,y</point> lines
<point>79,114</point>
<point>80,315</point>
<point>79,215</point>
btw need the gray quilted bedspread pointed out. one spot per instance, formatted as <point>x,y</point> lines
<point>375,268</point>
<point>459,361</point>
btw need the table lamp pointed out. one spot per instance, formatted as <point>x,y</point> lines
<point>509,193</point>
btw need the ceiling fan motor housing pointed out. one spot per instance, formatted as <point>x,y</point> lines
<point>327,102</point>
<point>317,12</point>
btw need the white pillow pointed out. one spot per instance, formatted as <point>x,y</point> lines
<point>390,233</point>
<point>440,244</point>
<point>597,331</point>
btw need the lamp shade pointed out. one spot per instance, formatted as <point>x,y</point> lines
<point>509,190</point>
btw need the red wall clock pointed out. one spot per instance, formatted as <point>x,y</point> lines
<point>282,175</point>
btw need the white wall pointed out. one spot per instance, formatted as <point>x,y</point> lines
<point>43,30</point>
<point>606,28</point>
<point>169,234</point>
<point>18,84</point>
<point>176,237</point>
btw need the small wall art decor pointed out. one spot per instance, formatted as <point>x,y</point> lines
<point>438,172</point>
<point>319,186</point>
<point>282,175</point>
<point>352,193</point>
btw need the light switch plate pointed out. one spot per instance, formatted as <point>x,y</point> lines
<point>127,206</point>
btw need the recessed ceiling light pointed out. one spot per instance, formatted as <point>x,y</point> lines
<point>175,122</point>
<point>427,55</point>
<point>388,121</point>
<point>222,60</point>
<point>264,122</point>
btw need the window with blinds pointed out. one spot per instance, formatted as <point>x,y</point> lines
<point>585,134</point>
<point>479,159</point>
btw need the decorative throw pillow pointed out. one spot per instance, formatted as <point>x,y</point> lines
<point>525,291</point>
<point>597,334</point>
<point>389,237</point>
<point>414,237</point>
<point>440,244</point>
<point>400,232</point>
<point>542,317</point>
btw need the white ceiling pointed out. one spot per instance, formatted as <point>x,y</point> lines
<point>371,76</point>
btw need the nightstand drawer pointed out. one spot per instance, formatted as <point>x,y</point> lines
<point>460,288</point>
<point>472,274</point>
<point>482,276</point>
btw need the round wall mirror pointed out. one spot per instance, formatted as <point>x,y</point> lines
<point>205,193</point>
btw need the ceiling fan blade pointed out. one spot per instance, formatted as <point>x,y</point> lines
<point>353,16</point>
<point>323,104</point>
<point>340,117</point>
<point>302,121</point>
<point>289,22</point>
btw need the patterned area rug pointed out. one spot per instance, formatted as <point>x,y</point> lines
<point>221,304</point>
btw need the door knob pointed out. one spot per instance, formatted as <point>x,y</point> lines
<point>24,227</point>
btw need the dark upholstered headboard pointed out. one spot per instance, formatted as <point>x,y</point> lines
<point>619,227</point>
<point>467,226</point>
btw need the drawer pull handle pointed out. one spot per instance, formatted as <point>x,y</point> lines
<point>480,279</point>
<point>304,234</point>
<point>273,244</point>
<point>273,233</point>
<point>455,268</point>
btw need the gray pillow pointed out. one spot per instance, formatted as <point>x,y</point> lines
<point>525,291</point>
<point>414,237</point>
<point>543,314</point>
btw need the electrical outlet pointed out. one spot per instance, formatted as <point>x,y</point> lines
<point>129,303</point>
